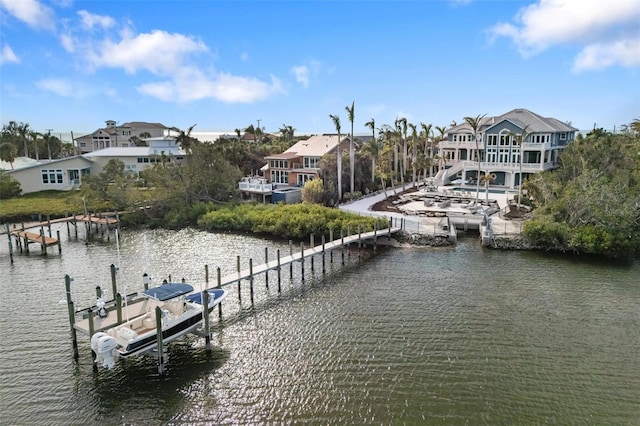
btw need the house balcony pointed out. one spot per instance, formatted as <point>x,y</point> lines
<point>255,185</point>
<point>506,167</point>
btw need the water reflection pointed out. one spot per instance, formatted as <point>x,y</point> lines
<point>410,336</point>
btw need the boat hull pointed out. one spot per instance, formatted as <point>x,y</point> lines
<point>186,324</point>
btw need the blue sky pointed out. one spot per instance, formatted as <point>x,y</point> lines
<point>70,65</point>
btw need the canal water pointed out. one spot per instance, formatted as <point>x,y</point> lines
<point>461,335</point>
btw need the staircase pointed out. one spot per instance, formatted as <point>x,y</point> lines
<point>443,175</point>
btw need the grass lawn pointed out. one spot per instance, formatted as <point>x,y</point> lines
<point>46,203</point>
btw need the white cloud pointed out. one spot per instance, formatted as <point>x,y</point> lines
<point>68,42</point>
<point>31,12</point>
<point>603,55</point>
<point>301,73</point>
<point>57,86</point>
<point>158,52</point>
<point>191,84</point>
<point>587,23</point>
<point>90,21</point>
<point>7,56</point>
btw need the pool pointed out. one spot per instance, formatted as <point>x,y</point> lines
<point>473,189</point>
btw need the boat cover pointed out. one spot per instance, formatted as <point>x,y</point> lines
<point>168,291</point>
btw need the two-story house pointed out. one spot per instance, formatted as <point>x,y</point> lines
<point>499,150</point>
<point>293,167</point>
<point>120,136</point>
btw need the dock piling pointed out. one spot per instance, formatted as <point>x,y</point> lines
<point>251,278</point>
<point>72,319</point>
<point>279,285</point>
<point>161,359</point>
<point>205,318</point>
<point>219,279</point>
<point>238,268</point>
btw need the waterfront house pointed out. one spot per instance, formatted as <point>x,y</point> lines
<point>499,150</point>
<point>162,149</point>
<point>40,175</point>
<point>120,136</point>
<point>293,167</point>
<point>66,174</point>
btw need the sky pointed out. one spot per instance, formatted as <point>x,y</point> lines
<point>70,65</point>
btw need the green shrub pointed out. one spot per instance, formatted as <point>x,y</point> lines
<point>9,187</point>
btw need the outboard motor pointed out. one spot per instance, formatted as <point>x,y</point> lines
<point>105,348</point>
<point>102,312</point>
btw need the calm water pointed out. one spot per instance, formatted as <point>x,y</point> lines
<point>409,336</point>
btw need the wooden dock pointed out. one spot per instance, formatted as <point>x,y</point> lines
<point>88,322</point>
<point>23,237</point>
<point>278,262</point>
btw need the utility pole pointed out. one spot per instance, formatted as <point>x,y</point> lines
<point>259,120</point>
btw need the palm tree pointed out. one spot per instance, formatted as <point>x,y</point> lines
<point>520,138</point>
<point>414,151</point>
<point>486,179</point>
<point>475,122</point>
<point>286,132</point>
<point>396,125</point>
<point>184,138</point>
<point>403,132</point>
<point>443,131</point>
<point>8,152</point>
<point>372,149</point>
<point>24,130</point>
<point>428,143</point>
<point>252,130</point>
<point>351,115</point>
<point>33,135</point>
<point>336,123</point>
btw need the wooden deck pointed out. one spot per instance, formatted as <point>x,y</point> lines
<point>139,306</point>
<point>32,237</point>
<point>300,255</point>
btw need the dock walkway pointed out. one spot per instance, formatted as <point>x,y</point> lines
<point>300,255</point>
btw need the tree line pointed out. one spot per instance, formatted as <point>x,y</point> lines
<point>591,203</point>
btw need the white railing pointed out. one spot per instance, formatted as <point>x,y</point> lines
<point>255,186</point>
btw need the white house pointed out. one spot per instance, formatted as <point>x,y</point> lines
<point>66,174</point>
<point>61,175</point>
<point>120,136</point>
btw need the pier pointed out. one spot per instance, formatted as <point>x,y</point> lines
<point>23,237</point>
<point>88,322</point>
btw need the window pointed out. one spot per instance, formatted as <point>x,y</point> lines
<point>279,176</point>
<point>310,162</point>
<point>278,164</point>
<point>83,144</point>
<point>492,140</point>
<point>563,136</point>
<point>302,179</point>
<point>52,176</point>
<point>455,138</point>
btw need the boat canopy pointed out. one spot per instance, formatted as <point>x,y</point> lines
<point>168,291</point>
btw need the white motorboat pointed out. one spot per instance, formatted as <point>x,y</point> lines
<point>181,310</point>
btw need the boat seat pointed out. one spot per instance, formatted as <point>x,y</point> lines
<point>176,307</point>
